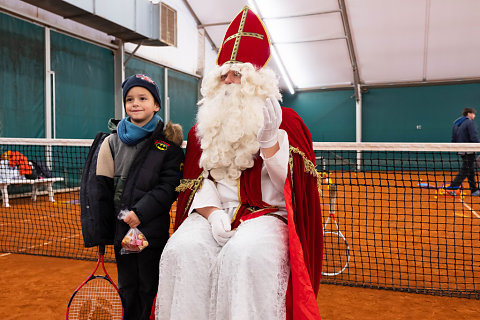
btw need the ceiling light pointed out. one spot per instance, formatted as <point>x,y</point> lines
<point>283,71</point>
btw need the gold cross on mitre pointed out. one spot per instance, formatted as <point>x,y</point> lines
<point>240,33</point>
<point>255,47</point>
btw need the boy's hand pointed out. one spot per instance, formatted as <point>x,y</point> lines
<point>132,220</point>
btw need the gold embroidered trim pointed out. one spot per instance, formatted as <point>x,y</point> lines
<point>239,201</point>
<point>192,184</point>
<point>244,34</point>
<point>309,166</point>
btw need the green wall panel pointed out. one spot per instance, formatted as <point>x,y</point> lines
<point>21,79</point>
<point>84,87</point>
<point>408,114</point>
<point>183,94</point>
<point>330,115</point>
<point>393,114</point>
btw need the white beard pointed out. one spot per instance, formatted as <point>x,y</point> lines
<point>227,126</point>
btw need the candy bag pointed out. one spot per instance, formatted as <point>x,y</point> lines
<point>134,241</point>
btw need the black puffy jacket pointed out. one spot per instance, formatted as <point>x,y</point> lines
<point>149,189</point>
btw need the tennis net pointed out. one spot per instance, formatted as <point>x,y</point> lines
<point>399,224</point>
<point>34,219</point>
<point>404,230</point>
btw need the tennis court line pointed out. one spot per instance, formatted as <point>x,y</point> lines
<point>469,208</point>
<point>39,245</point>
<point>27,220</point>
<point>47,243</point>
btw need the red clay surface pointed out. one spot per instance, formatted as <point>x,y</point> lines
<point>401,235</point>
<point>39,288</point>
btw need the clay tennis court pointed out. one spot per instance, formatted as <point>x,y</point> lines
<point>405,237</point>
<point>402,237</point>
<point>34,287</point>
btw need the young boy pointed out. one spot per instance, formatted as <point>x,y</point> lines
<point>138,168</point>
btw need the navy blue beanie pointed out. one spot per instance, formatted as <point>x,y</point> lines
<point>141,80</point>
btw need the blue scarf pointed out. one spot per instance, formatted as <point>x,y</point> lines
<point>131,134</point>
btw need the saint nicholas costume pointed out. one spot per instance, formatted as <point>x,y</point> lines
<point>271,267</point>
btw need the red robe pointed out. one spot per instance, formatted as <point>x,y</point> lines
<point>302,203</point>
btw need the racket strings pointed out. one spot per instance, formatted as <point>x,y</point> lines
<point>96,300</point>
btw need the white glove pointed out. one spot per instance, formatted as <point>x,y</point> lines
<point>221,228</point>
<point>272,114</point>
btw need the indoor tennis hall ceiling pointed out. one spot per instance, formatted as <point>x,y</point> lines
<point>343,43</point>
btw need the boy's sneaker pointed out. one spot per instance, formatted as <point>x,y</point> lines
<point>476,193</point>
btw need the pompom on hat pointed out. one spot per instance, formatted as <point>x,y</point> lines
<point>141,80</point>
<point>246,40</point>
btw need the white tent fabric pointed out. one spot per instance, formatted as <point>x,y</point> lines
<point>392,41</point>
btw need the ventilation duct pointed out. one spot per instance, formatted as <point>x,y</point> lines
<point>137,21</point>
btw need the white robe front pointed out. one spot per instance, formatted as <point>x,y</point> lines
<point>245,279</point>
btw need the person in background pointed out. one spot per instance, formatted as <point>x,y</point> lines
<point>248,240</point>
<point>465,130</point>
<point>138,168</point>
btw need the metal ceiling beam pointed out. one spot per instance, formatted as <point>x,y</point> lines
<point>403,84</point>
<point>351,49</point>
<point>133,53</point>
<point>314,40</point>
<point>199,23</point>
<point>380,85</point>
<point>304,15</point>
<point>274,18</point>
<point>356,77</point>
<point>426,36</point>
<point>213,24</point>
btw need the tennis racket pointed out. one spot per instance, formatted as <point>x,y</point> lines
<point>336,252</point>
<point>97,297</point>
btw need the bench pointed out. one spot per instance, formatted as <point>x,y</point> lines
<point>36,183</point>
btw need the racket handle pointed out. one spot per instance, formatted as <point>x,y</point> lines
<point>333,189</point>
<point>101,250</point>
<point>332,193</point>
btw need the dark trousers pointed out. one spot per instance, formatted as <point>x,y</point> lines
<point>138,281</point>
<point>467,171</point>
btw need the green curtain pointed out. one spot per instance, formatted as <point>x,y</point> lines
<point>416,114</point>
<point>183,93</point>
<point>84,85</point>
<point>329,115</point>
<point>22,72</point>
